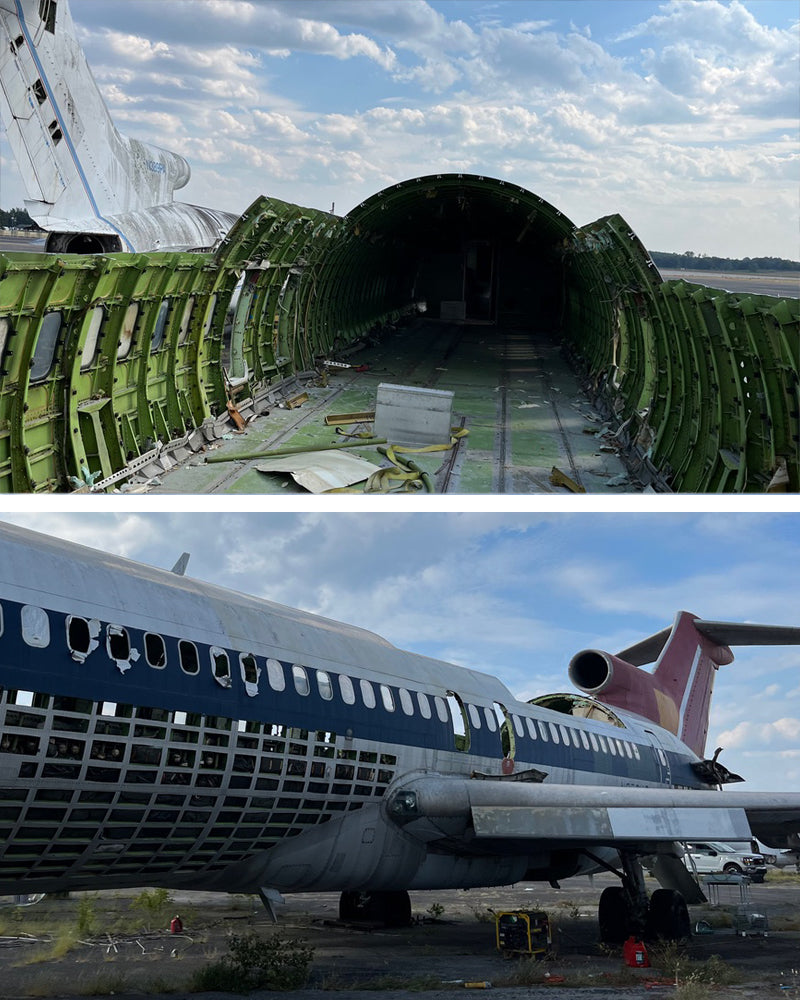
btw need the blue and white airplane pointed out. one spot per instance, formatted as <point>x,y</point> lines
<point>157,730</point>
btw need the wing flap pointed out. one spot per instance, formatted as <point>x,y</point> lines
<point>608,825</point>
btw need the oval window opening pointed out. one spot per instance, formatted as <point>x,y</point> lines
<point>187,653</point>
<point>324,685</point>
<point>300,676</point>
<point>186,319</point>
<point>275,676</point>
<point>221,666</point>
<point>35,626</point>
<point>154,650</point>
<point>347,690</point>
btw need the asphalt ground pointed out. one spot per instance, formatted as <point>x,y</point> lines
<point>451,943</point>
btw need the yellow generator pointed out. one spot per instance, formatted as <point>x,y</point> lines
<point>523,932</point>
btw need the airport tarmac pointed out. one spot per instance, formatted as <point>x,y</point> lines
<point>451,942</point>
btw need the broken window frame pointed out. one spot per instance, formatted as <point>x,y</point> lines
<point>113,634</point>
<point>92,637</point>
<point>459,721</point>
<point>217,655</point>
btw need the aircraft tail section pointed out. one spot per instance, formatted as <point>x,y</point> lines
<point>677,694</point>
<point>75,163</point>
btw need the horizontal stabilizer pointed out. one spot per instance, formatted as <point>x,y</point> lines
<point>723,633</point>
<point>740,634</point>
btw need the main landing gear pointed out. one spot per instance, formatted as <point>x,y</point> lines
<point>392,909</point>
<point>625,910</point>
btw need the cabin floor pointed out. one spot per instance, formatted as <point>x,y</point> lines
<point>514,393</point>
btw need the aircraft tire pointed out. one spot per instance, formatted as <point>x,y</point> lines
<point>613,915</point>
<point>667,917</point>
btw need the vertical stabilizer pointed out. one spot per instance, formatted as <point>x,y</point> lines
<point>74,162</point>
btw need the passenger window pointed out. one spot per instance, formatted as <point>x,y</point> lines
<point>636,752</point>
<point>612,747</point>
<point>45,349</point>
<point>35,626</point>
<point>118,643</point>
<point>531,728</point>
<point>347,691</point>
<point>543,731</point>
<point>187,654</point>
<point>424,705</point>
<point>518,725</point>
<point>220,666</point>
<point>96,317</point>
<point>603,746</point>
<point>405,701</point>
<point>441,708</point>
<point>154,650</point>
<point>1,619</point>
<point>475,717</point>
<point>584,740</point>
<point>300,677</point>
<point>564,735</point>
<point>554,732</point>
<point>275,676</point>
<point>324,685</point>
<point>387,698</point>
<point>250,672</point>
<point>367,693</point>
<point>491,721</point>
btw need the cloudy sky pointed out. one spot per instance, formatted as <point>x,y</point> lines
<point>515,595</point>
<point>680,115</point>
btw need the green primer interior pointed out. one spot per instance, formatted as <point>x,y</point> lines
<point>703,384</point>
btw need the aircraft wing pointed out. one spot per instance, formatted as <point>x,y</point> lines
<point>472,812</point>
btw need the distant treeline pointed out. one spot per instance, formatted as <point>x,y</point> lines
<point>702,262</point>
<point>15,218</point>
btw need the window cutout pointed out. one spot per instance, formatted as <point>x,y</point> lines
<point>155,651</point>
<point>458,718</point>
<point>187,654</point>
<point>39,92</point>
<point>324,685</point>
<point>45,349</point>
<point>183,332</point>
<point>387,698</point>
<point>157,338</point>
<point>347,690</point>
<point>275,675</point>
<point>250,672</point>
<point>367,693</point>
<point>35,626</point>
<point>220,666</point>
<point>300,678</point>
<point>96,317</point>
<point>507,741</point>
<point>424,705</point>
<point>127,331</point>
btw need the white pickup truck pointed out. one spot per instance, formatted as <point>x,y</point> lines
<point>712,857</point>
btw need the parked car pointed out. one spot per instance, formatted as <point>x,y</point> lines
<point>713,857</point>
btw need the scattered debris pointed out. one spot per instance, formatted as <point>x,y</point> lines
<point>559,478</point>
